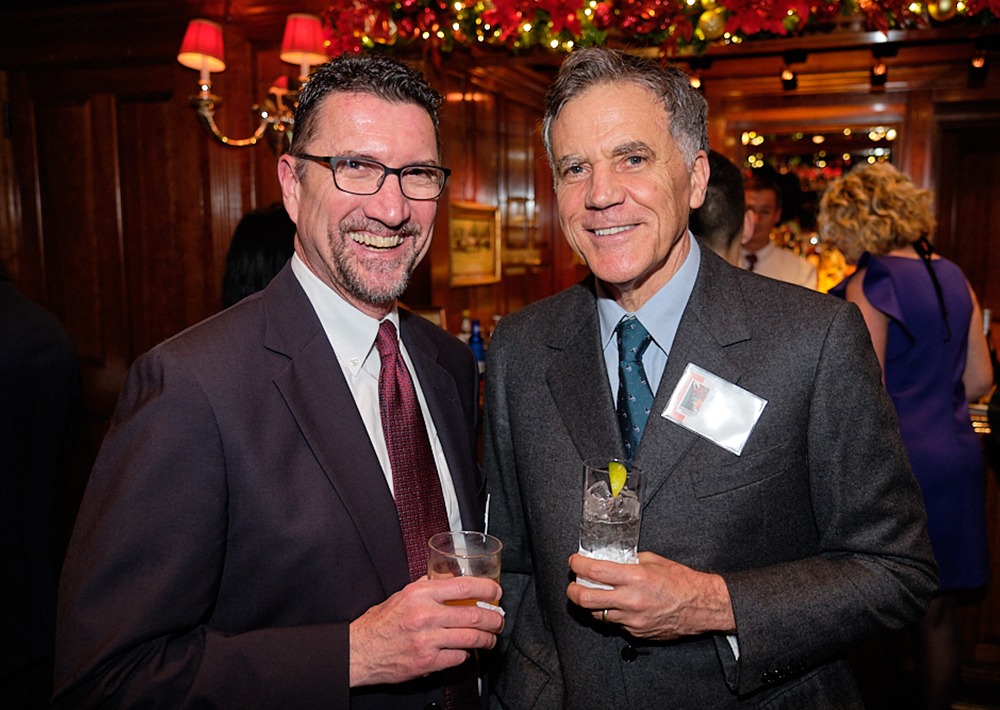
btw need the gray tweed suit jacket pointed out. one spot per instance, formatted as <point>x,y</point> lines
<point>818,528</point>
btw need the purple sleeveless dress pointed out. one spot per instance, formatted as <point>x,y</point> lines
<point>924,361</point>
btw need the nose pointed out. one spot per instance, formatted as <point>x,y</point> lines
<point>604,188</point>
<point>389,205</point>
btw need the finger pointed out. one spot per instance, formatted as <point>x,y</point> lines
<point>466,638</point>
<point>467,589</point>
<point>481,615</point>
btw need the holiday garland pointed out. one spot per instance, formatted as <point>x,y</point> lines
<point>677,26</point>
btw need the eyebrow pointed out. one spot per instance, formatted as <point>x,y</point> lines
<point>565,161</point>
<point>633,147</point>
<point>629,148</point>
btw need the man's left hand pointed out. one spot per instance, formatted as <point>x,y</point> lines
<point>656,599</point>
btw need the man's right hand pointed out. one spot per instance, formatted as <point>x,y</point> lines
<point>414,633</point>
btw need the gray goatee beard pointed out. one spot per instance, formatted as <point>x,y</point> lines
<point>356,280</point>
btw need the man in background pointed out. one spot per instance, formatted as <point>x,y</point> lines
<point>40,398</point>
<point>254,532</point>
<point>759,253</point>
<point>723,218</point>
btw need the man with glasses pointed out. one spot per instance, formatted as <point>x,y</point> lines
<point>253,534</point>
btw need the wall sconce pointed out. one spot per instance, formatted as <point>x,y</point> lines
<point>302,45</point>
<point>879,74</point>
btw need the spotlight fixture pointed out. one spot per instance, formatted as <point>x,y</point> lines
<point>789,82</point>
<point>977,69</point>
<point>879,74</point>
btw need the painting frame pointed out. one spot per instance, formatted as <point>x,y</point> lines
<point>473,243</point>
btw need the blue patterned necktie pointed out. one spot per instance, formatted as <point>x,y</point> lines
<point>635,397</point>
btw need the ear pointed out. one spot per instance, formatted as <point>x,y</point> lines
<point>749,223</point>
<point>289,181</point>
<point>699,180</point>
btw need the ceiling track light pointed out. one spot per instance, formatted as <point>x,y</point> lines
<point>879,74</point>
<point>789,82</point>
<point>977,67</point>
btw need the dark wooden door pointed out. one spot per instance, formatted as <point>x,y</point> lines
<point>122,231</point>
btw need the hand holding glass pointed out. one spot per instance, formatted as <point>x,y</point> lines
<point>612,512</point>
<point>464,554</point>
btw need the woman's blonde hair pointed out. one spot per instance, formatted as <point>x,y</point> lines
<point>874,208</point>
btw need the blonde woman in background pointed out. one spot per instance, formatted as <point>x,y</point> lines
<point>926,327</point>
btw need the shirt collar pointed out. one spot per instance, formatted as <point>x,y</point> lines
<point>351,333</point>
<point>661,314</point>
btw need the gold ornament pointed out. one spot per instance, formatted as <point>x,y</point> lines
<point>709,4</point>
<point>712,23</point>
<point>380,28</point>
<point>942,10</point>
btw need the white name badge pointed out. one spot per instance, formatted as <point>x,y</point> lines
<point>714,408</point>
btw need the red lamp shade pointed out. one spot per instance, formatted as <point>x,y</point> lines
<point>279,87</point>
<point>302,43</point>
<point>202,47</point>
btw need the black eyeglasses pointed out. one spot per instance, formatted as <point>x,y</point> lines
<point>365,177</point>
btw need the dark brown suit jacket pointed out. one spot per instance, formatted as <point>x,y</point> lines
<point>237,519</point>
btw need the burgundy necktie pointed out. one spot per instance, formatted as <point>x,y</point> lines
<point>751,261</point>
<point>415,482</point>
<point>417,488</point>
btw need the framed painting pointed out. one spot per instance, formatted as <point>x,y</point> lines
<point>474,241</point>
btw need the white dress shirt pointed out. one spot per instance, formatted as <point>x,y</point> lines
<point>352,335</point>
<point>783,265</point>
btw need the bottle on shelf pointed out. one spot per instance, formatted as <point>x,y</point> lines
<point>478,345</point>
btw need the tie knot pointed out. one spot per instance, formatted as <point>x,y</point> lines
<point>633,339</point>
<point>385,341</point>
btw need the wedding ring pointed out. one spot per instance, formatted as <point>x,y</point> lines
<point>604,616</point>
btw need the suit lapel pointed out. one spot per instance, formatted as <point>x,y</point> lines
<point>714,318</point>
<point>444,404</point>
<point>577,377</point>
<point>321,402</point>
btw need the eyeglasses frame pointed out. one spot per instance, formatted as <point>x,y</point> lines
<point>331,160</point>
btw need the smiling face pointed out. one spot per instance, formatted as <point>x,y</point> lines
<point>764,205</point>
<point>364,247</point>
<point>623,188</point>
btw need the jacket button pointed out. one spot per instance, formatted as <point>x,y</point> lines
<point>629,654</point>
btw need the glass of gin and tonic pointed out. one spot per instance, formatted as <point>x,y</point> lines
<point>612,509</point>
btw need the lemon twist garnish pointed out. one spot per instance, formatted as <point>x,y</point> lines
<point>617,473</point>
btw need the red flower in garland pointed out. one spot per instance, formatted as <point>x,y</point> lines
<point>643,17</point>
<point>975,7</point>
<point>506,16</point>
<point>563,14</point>
<point>344,29</point>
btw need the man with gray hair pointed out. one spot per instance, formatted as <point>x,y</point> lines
<point>780,523</point>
